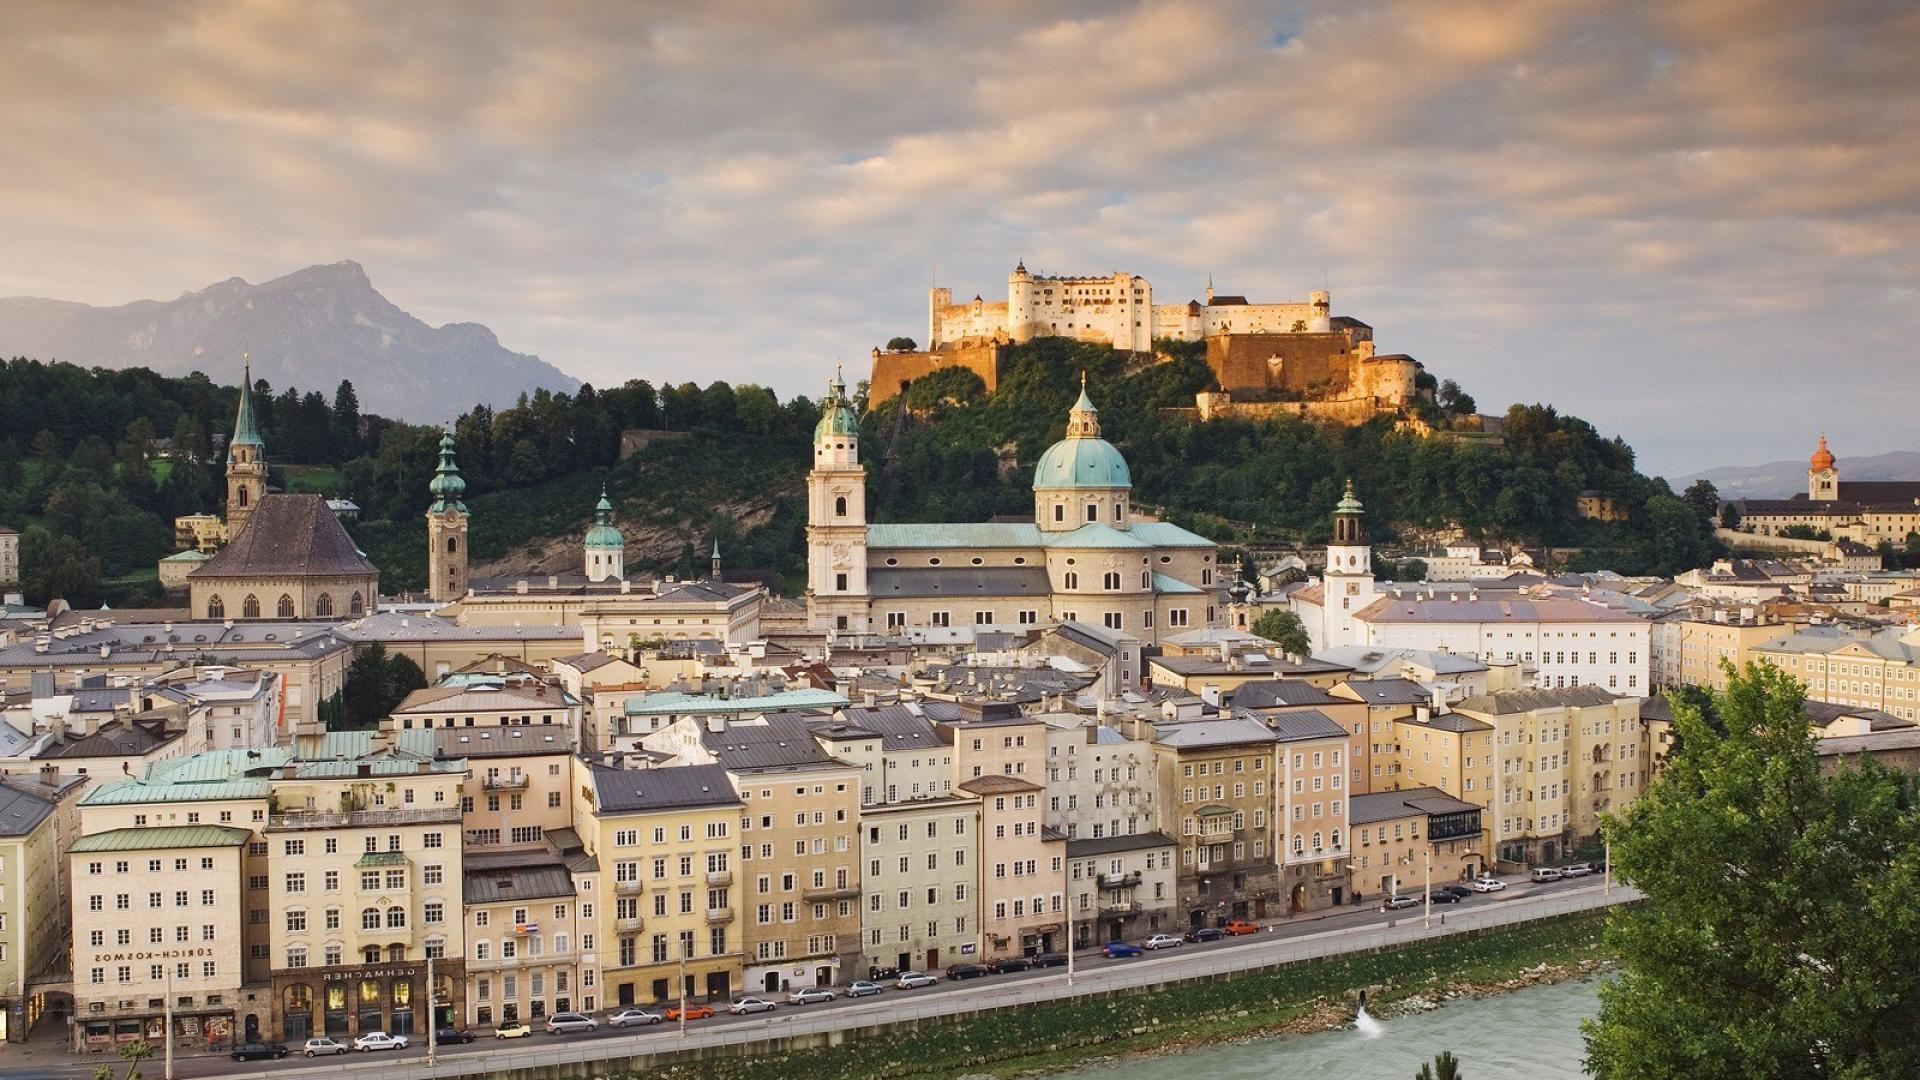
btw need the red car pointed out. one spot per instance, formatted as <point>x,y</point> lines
<point>694,1012</point>
<point>1241,926</point>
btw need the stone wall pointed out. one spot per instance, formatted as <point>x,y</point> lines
<point>893,370</point>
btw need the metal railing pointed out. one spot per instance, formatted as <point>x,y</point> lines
<point>345,819</point>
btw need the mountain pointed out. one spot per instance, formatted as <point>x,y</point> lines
<point>1781,479</point>
<point>309,329</point>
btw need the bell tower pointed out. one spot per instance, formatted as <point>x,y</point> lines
<point>447,528</point>
<point>246,457</point>
<point>1348,583</point>
<point>837,520</point>
<point>1823,474</point>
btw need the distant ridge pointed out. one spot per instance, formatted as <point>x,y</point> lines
<point>1782,479</point>
<point>309,329</point>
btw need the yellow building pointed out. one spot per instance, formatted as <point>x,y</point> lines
<point>33,907</point>
<point>1404,839</point>
<point>534,911</point>
<point>665,833</point>
<point>1450,752</point>
<point>1217,785</point>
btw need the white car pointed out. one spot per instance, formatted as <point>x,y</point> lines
<point>379,1040</point>
<point>807,995</point>
<point>909,980</point>
<point>1162,941</point>
<point>1547,873</point>
<point>630,1017</point>
<point>750,1005</point>
<point>1485,883</point>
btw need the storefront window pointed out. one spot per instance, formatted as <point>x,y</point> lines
<point>402,1023</point>
<point>371,1017</point>
<point>336,1009</point>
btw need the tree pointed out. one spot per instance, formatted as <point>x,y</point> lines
<point>1704,498</point>
<point>1284,629</point>
<point>58,568</point>
<point>901,344</point>
<point>1779,937</point>
<point>1413,570</point>
<point>133,1054</point>
<point>376,682</point>
<point>1729,516</point>
<point>1444,1067</point>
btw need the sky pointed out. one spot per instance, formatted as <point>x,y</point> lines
<point>1695,224</point>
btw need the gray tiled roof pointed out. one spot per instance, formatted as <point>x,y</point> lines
<point>1387,805</point>
<point>1304,724</point>
<point>1279,693</point>
<point>481,884</point>
<point>959,581</point>
<point>288,535</point>
<point>1518,701</point>
<point>783,741</point>
<point>621,790</point>
<point>21,812</point>
<point>1200,734</point>
<point>1107,845</point>
<point>1391,691</point>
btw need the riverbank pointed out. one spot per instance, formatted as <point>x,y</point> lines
<point>1293,1000</point>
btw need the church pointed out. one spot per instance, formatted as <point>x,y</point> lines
<point>1086,556</point>
<point>1867,511</point>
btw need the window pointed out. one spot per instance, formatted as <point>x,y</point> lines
<point>285,608</point>
<point>250,607</point>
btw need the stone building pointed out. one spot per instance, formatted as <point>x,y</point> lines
<point>1866,511</point>
<point>1216,782</point>
<point>291,559</point>
<point>447,528</point>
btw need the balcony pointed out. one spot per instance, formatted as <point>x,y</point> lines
<point>352,819</point>
<point>509,782</point>
<point>1120,881</point>
<point>630,888</point>
<point>526,928</point>
<point>719,914</point>
<point>719,877</point>
<point>829,892</point>
<point>1120,908</point>
<point>629,922</point>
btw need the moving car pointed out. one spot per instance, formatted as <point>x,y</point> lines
<point>447,1036</point>
<point>629,1017</point>
<point>1579,869</point>
<point>512,1029</point>
<point>807,995</point>
<point>379,1040</point>
<point>863,988</point>
<point>1547,873</point>
<point>744,1006</point>
<point>966,971</point>
<point>1241,926</point>
<point>1121,948</point>
<point>323,1044</point>
<point>908,980</point>
<point>1162,941</point>
<point>1441,896</point>
<point>568,1022</point>
<point>1394,902</point>
<point>1460,891</point>
<point>1011,964</point>
<point>694,1012</point>
<point>1206,933</point>
<point>1487,883</point>
<point>258,1051</point>
<point>1049,959</point>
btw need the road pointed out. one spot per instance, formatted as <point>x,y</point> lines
<point>1282,941</point>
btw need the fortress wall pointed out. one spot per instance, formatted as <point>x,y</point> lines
<point>1244,362</point>
<point>1257,318</point>
<point>892,370</point>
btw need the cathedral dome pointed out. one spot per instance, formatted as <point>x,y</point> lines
<point>1083,459</point>
<point>602,534</point>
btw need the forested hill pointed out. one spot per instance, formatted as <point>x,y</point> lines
<point>95,464</point>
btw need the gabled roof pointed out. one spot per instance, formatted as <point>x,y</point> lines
<point>673,787</point>
<point>998,785</point>
<point>1108,845</point>
<point>154,838</point>
<point>288,535</point>
<point>21,812</point>
<point>1411,802</point>
<point>1304,724</point>
<point>1390,691</point>
<point>1205,734</point>
<point>1281,693</point>
<point>1503,702</point>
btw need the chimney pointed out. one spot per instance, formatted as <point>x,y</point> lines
<point>50,774</point>
<point>870,698</point>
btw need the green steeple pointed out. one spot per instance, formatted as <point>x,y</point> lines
<point>836,412</point>
<point>602,534</point>
<point>1349,503</point>
<point>246,432</point>
<point>447,487</point>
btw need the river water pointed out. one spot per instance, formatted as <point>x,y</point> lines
<point>1531,1034</point>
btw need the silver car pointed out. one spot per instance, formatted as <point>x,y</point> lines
<point>630,1017</point>
<point>807,995</point>
<point>569,1022</point>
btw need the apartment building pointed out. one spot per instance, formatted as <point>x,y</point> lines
<point>1859,670</point>
<point>1123,886</point>
<point>1217,782</point>
<point>1099,782</point>
<point>36,822</point>
<point>1369,724</point>
<point>1405,839</point>
<point>1312,800</point>
<point>922,883</point>
<point>670,837</point>
<point>999,757</point>
<point>530,924</point>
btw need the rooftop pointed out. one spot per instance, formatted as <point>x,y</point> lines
<point>288,535</point>
<point>154,838</point>
<point>673,787</point>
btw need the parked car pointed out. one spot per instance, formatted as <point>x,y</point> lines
<point>863,988</point>
<point>1011,964</point>
<point>1441,896</point>
<point>630,1017</point>
<point>1241,926</point>
<point>694,1012</point>
<point>1206,933</point>
<point>746,1005</point>
<point>1458,890</point>
<point>569,1022</point>
<point>1579,869</point>
<point>1121,948</point>
<point>807,995</point>
<point>1394,902</point>
<point>512,1029</point>
<point>1162,941</point>
<point>910,980</point>
<point>258,1052</point>
<point>323,1044</point>
<point>379,1040</point>
<point>966,971</point>
<point>1049,959</point>
<point>1487,883</point>
<point>447,1036</point>
<point>1547,873</point>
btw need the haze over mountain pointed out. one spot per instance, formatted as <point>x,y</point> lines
<point>1781,479</point>
<point>309,329</point>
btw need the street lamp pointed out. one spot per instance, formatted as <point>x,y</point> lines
<point>1428,919</point>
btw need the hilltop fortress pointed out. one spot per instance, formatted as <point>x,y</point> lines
<point>1293,356</point>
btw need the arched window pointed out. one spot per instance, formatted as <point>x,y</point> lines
<point>1316,841</point>
<point>285,608</point>
<point>1110,581</point>
<point>216,609</point>
<point>370,954</point>
<point>241,494</point>
<point>250,607</point>
<point>1298,844</point>
<point>296,956</point>
<point>396,917</point>
<point>839,506</point>
<point>370,920</point>
<point>355,605</point>
<point>1336,839</point>
<point>396,954</point>
<point>323,607</point>
<point>453,545</point>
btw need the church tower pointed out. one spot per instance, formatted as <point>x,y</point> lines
<point>837,519</point>
<point>1823,474</point>
<point>447,528</point>
<point>246,458</point>
<point>606,549</point>
<point>1348,583</point>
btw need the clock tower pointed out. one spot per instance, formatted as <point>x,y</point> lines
<point>1823,474</point>
<point>837,597</point>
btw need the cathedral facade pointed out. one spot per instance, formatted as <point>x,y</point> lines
<point>1087,556</point>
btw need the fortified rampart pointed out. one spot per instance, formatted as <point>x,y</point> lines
<point>892,370</point>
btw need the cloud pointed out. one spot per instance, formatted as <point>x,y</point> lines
<point>1662,217</point>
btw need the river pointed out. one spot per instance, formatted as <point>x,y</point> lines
<point>1531,1034</point>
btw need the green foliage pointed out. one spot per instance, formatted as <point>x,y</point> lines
<point>1779,937</point>
<point>901,344</point>
<point>376,682</point>
<point>1443,1067</point>
<point>954,384</point>
<point>1805,532</point>
<point>1284,629</point>
<point>58,567</point>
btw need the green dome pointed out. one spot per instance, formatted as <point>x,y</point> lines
<point>836,412</point>
<point>602,535</point>
<point>1349,503</point>
<point>1082,463</point>
<point>447,486</point>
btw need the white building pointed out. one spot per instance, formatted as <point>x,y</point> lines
<point>1560,641</point>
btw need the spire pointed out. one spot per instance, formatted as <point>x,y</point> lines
<point>836,412</point>
<point>1349,503</point>
<point>1349,526</point>
<point>603,510</point>
<point>1209,288</point>
<point>447,486</point>
<point>714,559</point>
<point>245,431</point>
<point>1083,421</point>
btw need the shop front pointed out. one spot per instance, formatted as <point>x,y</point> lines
<point>349,1001</point>
<point>194,1032</point>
